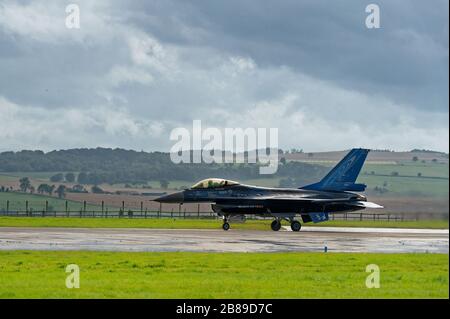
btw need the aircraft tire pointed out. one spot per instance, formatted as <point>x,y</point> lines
<point>226,226</point>
<point>296,226</point>
<point>276,225</point>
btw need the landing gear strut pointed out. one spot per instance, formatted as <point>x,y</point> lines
<point>276,225</point>
<point>295,225</point>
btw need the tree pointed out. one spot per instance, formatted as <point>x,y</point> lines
<point>50,190</point>
<point>57,177</point>
<point>70,177</point>
<point>24,184</point>
<point>42,188</point>
<point>415,159</point>
<point>164,183</point>
<point>61,191</point>
<point>82,178</point>
<point>97,190</point>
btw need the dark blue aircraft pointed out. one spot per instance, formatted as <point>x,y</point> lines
<point>333,194</point>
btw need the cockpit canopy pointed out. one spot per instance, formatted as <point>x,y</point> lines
<point>214,183</point>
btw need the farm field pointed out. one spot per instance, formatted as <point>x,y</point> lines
<point>405,193</point>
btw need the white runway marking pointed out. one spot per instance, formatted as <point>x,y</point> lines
<point>309,239</point>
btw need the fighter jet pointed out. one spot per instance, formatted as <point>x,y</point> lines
<point>335,193</point>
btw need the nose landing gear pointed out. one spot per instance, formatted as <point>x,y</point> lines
<point>225,225</point>
<point>276,225</point>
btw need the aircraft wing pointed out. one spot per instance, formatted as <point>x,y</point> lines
<point>279,199</point>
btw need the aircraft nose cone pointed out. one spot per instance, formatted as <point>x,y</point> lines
<point>171,198</point>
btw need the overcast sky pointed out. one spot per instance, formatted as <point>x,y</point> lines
<point>137,69</point>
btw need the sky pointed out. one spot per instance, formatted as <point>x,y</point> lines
<point>135,70</point>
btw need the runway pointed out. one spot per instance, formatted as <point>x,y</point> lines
<point>336,239</point>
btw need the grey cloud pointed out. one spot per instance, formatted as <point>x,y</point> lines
<point>407,59</point>
<point>310,68</point>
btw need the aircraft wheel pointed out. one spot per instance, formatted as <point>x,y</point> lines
<point>226,226</point>
<point>276,225</point>
<point>296,226</point>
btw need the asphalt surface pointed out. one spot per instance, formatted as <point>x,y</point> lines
<point>336,239</point>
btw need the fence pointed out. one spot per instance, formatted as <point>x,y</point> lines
<point>84,210</point>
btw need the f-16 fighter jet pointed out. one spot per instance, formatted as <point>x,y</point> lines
<point>335,193</point>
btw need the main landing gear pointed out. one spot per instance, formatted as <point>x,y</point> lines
<point>295,225</point>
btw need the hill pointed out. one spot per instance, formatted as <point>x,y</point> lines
<point>106,165</point>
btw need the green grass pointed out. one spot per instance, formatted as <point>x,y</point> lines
<point>408,186</point>
<point>37,202</point>
<point>168,223</point>
<point>41,274</point>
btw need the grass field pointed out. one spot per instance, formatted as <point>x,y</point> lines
<point>41,274</point>
<point>168,223</point>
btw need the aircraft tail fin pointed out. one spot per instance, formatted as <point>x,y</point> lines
<point>343,176</point>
